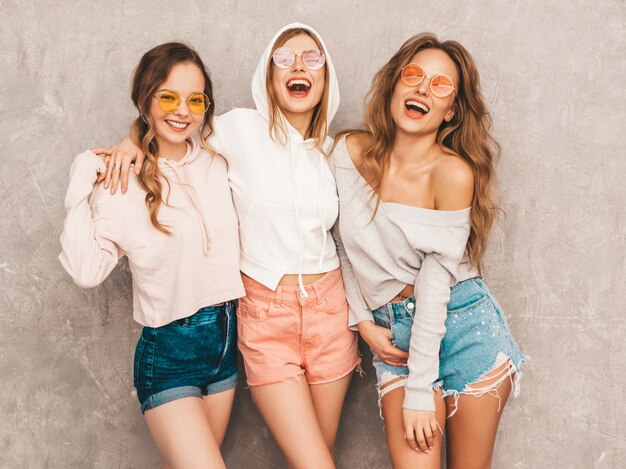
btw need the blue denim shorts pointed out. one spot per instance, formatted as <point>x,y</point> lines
<point>190,357</point>
<point>477,338</point>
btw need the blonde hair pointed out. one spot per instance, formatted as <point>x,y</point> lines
<point>152,70</point>
<point>466,134</point>
<point>318,128</point>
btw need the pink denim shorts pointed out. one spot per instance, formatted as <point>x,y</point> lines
<point>282,335</point>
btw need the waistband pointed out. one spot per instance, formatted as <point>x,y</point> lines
<point>316,291</point>
<point>207,313</point>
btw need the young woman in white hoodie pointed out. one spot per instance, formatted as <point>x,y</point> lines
<point>177,226</point>
<point>293,335</point>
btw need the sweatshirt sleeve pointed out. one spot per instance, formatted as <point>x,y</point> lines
<point>357,306</point>
<point>219,140</point>
<point>90,234</point>
<point>432,295</point>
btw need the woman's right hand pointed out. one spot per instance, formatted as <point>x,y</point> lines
<point>379,340</point>
<point>122,156</point>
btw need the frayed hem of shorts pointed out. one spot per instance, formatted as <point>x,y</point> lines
<point>277,381</point>
<point>511,371</point>
<point>356,367</point>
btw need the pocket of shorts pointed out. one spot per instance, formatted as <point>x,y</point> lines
<point>338,301</point>
<point>249,312</point>
<point>473,301</point>
<point>141,345</point>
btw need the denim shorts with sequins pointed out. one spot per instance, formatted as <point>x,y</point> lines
<point>190,357</point>
<point>477,338</point>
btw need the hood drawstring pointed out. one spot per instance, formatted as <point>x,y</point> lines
<point>294,166</point>
<point>321,212</point>
<point>206,237</point>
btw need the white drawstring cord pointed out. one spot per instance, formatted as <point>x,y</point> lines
<point>303,293</point>
<point>321,212</point>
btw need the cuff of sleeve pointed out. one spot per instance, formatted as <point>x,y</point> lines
<point>87,164</point>
<point>419,399</point>
<point>358,316</point>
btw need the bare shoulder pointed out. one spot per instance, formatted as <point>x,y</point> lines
<point>355,143</point>
<point>453,183</point>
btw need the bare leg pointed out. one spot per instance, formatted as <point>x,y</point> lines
<point>288,411</point>
<point>402,456</point>
<point>472,429</point>
<point>328,400</point>
<point>183,435</point>
<point>217,408</point>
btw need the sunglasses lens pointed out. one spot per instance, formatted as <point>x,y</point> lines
<point>314,59</point>
<point>198,103</point>
<point>283,57</point>
<point>441,86</point>
<point>412,74</point>
<point>169,101</point>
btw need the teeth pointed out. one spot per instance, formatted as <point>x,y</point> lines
<point>177,124</point>
<point>419,105</point>
<point>298,82</point>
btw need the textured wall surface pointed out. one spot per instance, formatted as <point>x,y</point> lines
<point>553,75</point>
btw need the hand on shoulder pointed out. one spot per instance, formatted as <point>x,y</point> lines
<point>453,183</point>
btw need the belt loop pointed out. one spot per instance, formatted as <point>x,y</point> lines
<point>278,297</point>
<point>317,291</point>
<point>390,314</point>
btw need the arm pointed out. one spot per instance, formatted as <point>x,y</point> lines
<point>454,186</point>
<point>378,338</point>
<point>88,242</point>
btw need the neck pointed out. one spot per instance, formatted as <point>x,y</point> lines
<point>300,121</point>
<point>411,150</point>
<point>172,151</point>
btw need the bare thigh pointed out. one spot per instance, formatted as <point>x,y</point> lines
<point>288,411</point>
<point>402,456</point>
<point>471,431</point>
<point>217,408</point>
<point>182,432</point>
<point>327,401</point>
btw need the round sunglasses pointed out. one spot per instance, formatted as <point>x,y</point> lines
<point>313,59</point>
<point>440,85</point>
<point>169,101</point>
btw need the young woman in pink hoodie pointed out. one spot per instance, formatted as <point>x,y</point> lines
<point>177,226</point>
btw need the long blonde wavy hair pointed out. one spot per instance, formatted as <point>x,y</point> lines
<point>151,72</point>
<point>318,128</point>
<point>466,134</point>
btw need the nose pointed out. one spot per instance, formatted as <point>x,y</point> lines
<point>182,109</point>
<point>298,63</point>
<point>424,87</point>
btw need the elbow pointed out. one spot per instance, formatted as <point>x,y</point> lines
<point>86,283</point>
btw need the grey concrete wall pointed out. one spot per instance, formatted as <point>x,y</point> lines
<point>553,74</point>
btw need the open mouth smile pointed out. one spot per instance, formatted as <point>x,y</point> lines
<point>416,109</point>
<point>299,87</point>
<point>177,126</point>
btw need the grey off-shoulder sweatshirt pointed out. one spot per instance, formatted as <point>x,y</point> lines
<point>402,245</point>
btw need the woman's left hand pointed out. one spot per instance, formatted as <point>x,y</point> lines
<point>420,428</point>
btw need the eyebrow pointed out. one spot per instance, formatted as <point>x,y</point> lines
<point>174,91</point>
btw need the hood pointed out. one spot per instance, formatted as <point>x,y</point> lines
<point>259,93</point>
<point>176,173</point>
<point>166,165</point>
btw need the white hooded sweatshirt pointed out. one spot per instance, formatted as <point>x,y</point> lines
<point>284,194</point>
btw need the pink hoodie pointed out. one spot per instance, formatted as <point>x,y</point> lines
<point>173,276</point>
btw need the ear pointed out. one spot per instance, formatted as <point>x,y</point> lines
<point>449,115</point>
